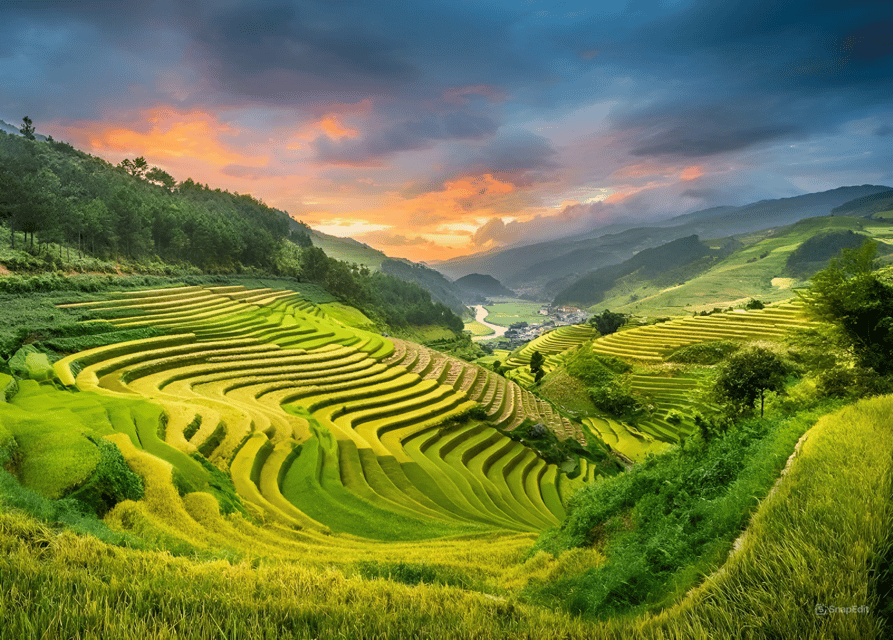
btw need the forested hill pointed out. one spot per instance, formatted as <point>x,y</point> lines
<point>55,193</point>
<point>64,209</point>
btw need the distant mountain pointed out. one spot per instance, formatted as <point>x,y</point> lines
<point>867,206</point>
<point>760,267</point>
<point>530,269</point>
<point>478,285</point>
<point>781,212</point>
<point>663,265</point>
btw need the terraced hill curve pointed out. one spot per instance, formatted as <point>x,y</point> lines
<point>322,426</point>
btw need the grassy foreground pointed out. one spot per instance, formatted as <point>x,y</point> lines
<point>813,547</point>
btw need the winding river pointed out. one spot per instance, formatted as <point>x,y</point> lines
<point>479,314</point>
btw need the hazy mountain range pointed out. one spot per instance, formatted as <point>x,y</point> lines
<point>547,267</point>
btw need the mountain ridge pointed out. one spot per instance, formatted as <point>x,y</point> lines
<point>531,267</point>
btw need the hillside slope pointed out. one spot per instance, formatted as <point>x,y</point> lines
<point>759,269</point>
<point>660,266</point>
<point>479,286</point>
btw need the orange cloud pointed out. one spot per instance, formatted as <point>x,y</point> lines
<point>637,171</point>
<point>170,135</point>
<point>692,172</point>
<point>618,196</point>
<point>333,128</point>
<point>468,193</point>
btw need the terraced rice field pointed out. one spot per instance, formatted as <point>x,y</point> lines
<point>549,344</point>
<point>321,427</point>
<point>652,343</point>
<point>674,399</point>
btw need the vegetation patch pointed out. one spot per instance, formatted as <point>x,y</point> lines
<point>56,455</point>
<point>814,253</point>
<point>670,519</point>
<point>565,453</point>
<point>566,391</point>
<point>710,352</point>
<point>416,573</point>
<point>111,482</point>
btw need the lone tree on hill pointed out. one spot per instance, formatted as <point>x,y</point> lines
<point>27,128</point>
<point>607,322</point>
<point>536,361</point>
<point>162,178</point>
<point>748,375</point>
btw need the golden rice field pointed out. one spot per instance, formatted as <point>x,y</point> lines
<point>336,440</point>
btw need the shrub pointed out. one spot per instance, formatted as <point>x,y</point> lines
<point>615,398</point>
<point>590,367</point>
<point>607,322</point>
<point>111,482</point>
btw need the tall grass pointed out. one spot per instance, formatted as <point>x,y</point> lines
<point>805,568</point>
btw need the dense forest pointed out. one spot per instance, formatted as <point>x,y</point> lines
<point>56,200</point>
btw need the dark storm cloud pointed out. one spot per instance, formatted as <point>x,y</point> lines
<point>300,52</point>
<point>697,139</point>
<point>73,60</point>
<point>870,41</point>
<point>404,136</point>
<point>719,77</point>
<point>281,51</point>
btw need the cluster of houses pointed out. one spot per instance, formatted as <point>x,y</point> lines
<point>520,333</point>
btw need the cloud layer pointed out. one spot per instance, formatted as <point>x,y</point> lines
<point>435,129</point>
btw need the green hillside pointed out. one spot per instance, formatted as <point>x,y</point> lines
<point>877,205</point>
<point>480,286</point>
<point>672,262</point>
<point>65,210</point>
<point>757,270</point>
<point>347,250</point>
<point>259,444</point>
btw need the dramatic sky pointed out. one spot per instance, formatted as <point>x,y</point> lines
<point>430,129</point>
